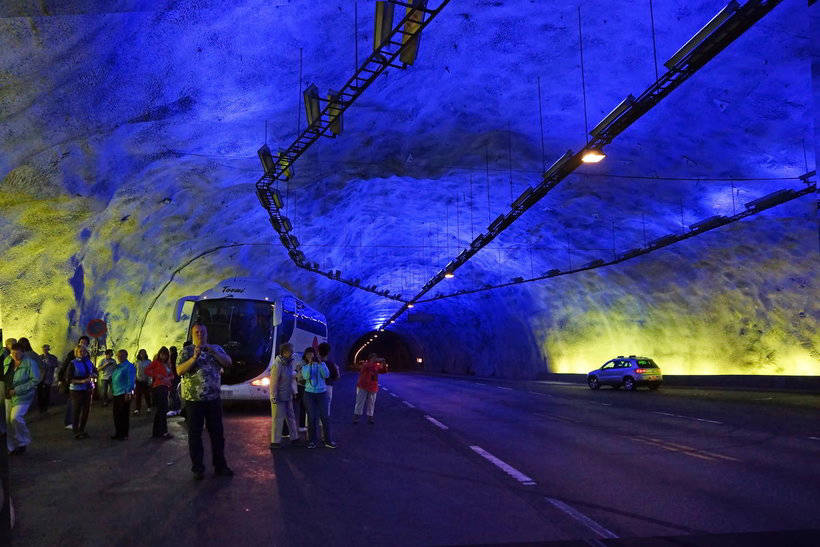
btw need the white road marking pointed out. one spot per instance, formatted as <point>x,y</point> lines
<point>536,392</point>
<point>687,417</point>
<point>506,388</point>
<point>436,423</point>
<point>815,438</point>
<point>408,404</point>
<point>583,519</point>
<point>505,467</point>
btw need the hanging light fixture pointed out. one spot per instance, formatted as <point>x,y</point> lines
<point>593,155</point>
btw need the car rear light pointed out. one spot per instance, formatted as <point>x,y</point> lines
<point>640,371</point>
<point>261,382</point>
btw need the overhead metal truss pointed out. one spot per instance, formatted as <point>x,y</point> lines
<point>752,208</point>
<point>400,41</point>
<point>624,115</point>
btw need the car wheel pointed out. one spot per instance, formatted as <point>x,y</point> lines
<point>593,382</point>
<point>629,384</point>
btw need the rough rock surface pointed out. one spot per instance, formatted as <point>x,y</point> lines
<point>128,133</point>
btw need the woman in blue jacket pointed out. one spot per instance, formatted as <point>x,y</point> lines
<point>19,395</point>
<point>81,373</point>
<point>314,374</point>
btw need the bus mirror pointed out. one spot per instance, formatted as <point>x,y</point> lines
<point>277,314</point>
<point>180,303</point>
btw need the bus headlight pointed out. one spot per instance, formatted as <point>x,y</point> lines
<point>261,382</point>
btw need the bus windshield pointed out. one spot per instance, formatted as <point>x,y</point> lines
<point>244,329</point>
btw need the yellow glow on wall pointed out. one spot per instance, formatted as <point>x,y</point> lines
<point>681,343</point>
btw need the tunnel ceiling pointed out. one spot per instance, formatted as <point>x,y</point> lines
<point>128,138</point>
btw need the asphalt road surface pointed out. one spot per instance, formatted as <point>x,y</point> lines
<point>449,461</point>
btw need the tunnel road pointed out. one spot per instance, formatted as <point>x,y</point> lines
<point>449,461</point>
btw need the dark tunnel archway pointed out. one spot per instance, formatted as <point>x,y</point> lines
<point>387,344</point>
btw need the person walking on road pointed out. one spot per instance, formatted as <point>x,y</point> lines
<point>282,391</point>
<point>80,375</point>
<point>106,368</point>
<point>367,387</point>
<point>123,380</point>
<point>19,395</point>
<point>162,380</point>
<point>200,371</point>
<point>49,365</point>
<point>314,372</point>
<point>324,356</point>
<point>143,389</point>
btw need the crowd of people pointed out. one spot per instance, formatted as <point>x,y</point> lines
<point>300,390</point>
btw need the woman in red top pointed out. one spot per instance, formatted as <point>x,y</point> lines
<point>368,386</point>
<point>162,380</point>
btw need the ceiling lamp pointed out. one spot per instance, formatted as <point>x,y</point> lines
<point>592,155</point>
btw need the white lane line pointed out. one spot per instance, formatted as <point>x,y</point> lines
<point>505,467</point>
<point>505,388</point>
<point>607,404</point>
<point>408,404</point>
<point>393,395</point>
<point>535,392</point>
<point>583,519</point>
<point>687,417</point>
<point>436,423</point>
<point>815,438</point>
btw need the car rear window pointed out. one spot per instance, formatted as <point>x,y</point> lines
<point>647,363</point>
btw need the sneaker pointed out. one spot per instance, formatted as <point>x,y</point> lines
<point>223,472</point>
<point>371,421</point>
<point>355,419</point>
<point>302,429</point>
<point>136,413</point>
<point>274,446</point>
<point>69,427</point>
<point>312,444</point>
<point>329,444</point>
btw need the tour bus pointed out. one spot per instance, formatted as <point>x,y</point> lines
<point>250,318</point>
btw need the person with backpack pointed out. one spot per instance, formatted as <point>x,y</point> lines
<point>20,392</point>
<point>324,356</point>
<point>63,382</point>
<point>314,372</point>
<point>367,387</point>
<point>162,379</point>
<point>81,373</point>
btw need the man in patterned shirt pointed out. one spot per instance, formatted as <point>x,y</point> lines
<point>199,368</point>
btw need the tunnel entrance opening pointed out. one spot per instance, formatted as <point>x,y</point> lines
<point>385,344</point>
